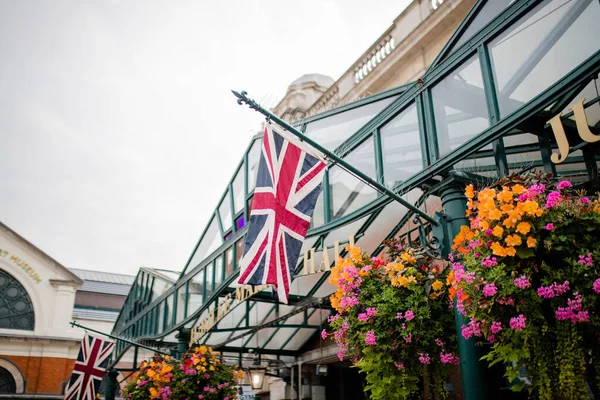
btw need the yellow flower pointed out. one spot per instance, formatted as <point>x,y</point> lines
<point>154,393</point>
<point>484,225</point>
<point>513,240</point>
<point>531,242</point>
<point>212,368</point>
<point>203,350</point>
<point>407,257</point>
<point>495,214</point>
<point>437,285</point>
<point>412,279</point>
<point>355,253</point>
<point>510,251</point>
<point>523,228</point>
<point>150,373</point>
<point>498,231</point>
<point>167,357</point>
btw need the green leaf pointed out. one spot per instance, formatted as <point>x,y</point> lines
<point>525,252</point>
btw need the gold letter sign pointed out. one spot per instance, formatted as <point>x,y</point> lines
<point>561,138</point>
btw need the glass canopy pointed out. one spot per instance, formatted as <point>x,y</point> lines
<point>483,111</point>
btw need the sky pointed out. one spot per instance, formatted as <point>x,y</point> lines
<point>118,130</point>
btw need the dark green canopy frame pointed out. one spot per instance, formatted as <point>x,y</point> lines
<point>475,115</point>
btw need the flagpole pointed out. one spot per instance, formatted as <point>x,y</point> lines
<point>243,98</point>
<point>75,324</point>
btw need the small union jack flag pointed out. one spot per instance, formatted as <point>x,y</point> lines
<point>89,368</point>
<point>288,183</point>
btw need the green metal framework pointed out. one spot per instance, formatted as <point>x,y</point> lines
<point>477,114</point>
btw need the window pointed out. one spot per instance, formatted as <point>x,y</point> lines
<point>209,243</point>
<point>459,106</point>
<point>218,271</point>
<point>348,193</point>
<point>238,190</point>
<point>253,158</point>
<point>541,48</point>
<point>16,309</point>
<point>330,132</point>
<point>401,147</point>
<point>7,382</point>
<point>225,211</point>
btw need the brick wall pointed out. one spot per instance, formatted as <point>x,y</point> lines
<point>43,374</point>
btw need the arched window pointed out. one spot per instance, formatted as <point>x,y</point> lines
<point>16,309</point>
<point>7,382</point>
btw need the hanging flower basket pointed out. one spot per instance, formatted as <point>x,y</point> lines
<point>200,374</point>
<point>529,282</point>
<point>394,322</point>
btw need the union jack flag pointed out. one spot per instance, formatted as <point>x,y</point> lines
<point>89,368</point>
<point>288,183</point>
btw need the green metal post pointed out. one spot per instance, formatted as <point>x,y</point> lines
<point>454,204</point>
<point>183,341</point>
<point>111,384</point>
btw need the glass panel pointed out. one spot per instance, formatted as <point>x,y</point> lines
<point>348,193</point>
<point>459,106</point>
<point>195,289</point>
<point>541,48</point>
<point>488,12</point>
<point>318,217</point>
<point>330,132</point>
<point>238,190</point>
<point>161,317</point>
<point>240,222</point>
<point>180,304</point>
<point>401,147</point>
<point>253,158</point>
<point>210,242</point>
<point>591,91</point>
<point>218,271</point>
<point>210,274</point>
<point>169,310</point>
<point>239,250</point>
<point>225,211</point>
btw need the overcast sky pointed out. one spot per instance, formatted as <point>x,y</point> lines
<point>118,130</point>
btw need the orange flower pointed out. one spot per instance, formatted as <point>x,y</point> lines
<point>518,189</point>
<point>523,228</point>
<point>498,250</point>
<point>506,208</point>
<point>530,207</point>
<point>531,242</point>
<point>469,192</point>
<point>495,214</point>
<point>505,195</point>
<point>513,240</point>
<point>511,252</point>
<point>498,231</point>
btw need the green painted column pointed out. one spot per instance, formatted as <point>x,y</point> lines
<point>472,370</point>
<point>183,341</point>
<point>111,384</point>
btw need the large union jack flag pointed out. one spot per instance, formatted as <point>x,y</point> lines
<point>288,183</point>
<point>89,368</point>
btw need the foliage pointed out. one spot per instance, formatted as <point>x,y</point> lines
<point>200,374</point>
<point>394,322</point>
<point>529,282</point>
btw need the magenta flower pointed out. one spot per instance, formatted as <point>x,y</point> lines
<point>549,226</point>
<point>585,200</point>
<point>518,323</point>
<point>409,315</point>
<point>200,396</point>
<point>142,383</point>
<point>522,282</point>
<point>206,376</point>
<point>496,327</point>
<point>596,286</point>
<point>362,317</point>
<point>399,315</point>
<point>553,199</point>
<point>490,289</point>
<point>488,232</point>
<point>448,358</point>
<point>563,185</point>
<point>370,339</point>
<point>439,342</point>
<point>399,365</point>
<point>424,358</point>
<point>586,260</point>
<point>323,334</point>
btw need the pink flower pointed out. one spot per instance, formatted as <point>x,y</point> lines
<point>424,358</point>
<point>219,386</point>
<point>206,388</point>
<point>409,315</point>
<point>200,396</point>
<point>549,226</point>
<point>585,200</point>
<point>491,338</point>
<point>522,282</point>
<point>553,199</point>
<point>206,376</point>
<point>370,339</point>
<point>371,311</point>
<point>488,232</point>
<point>496,327</point>
<point>323,334</point>
<point>362,317</point>
<point>439,342</point>
<point>490,289</point>
<point>536,189</point>
<point>518,323</point>
<point>586,260</point>
<point>408,339</point>
<point>212,390</point>
<point>489,262</point>
<point>345,326</point>
<point>563,185</point>
<point>340,355</point>
<point>448,358</point>
<point>399,315</point>
<point>399,365</point>
<point>597,286</point>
